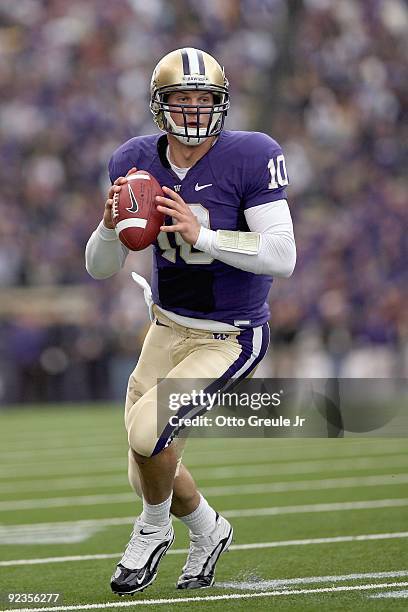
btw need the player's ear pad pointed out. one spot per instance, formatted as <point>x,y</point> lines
<point>178,287</point>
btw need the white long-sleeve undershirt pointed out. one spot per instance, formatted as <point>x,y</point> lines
<point>277,250</point>
<point>105,254</point>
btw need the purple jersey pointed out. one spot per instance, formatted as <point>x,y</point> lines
<point>241,170</point>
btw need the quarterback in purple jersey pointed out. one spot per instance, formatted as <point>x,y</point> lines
<point>228,231</point>
<point>232,177</point>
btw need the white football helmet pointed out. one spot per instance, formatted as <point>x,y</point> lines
<point>183,70</point>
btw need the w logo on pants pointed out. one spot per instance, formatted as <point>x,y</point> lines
<point>220,336</point>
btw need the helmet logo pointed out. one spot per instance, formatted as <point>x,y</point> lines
<point>196,78</point>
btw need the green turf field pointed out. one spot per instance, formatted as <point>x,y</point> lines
<point>319,524</point>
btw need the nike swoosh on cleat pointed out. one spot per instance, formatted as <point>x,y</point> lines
<point>142,532</point>
<point>200,187</point>
<point>141,578</point>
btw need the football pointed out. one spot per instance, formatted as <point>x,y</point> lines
<point>135,216</point>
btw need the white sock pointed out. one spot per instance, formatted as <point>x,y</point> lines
<point>202,520</point>
<point>157,514</point>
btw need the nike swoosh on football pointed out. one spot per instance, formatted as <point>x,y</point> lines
<point>147,532</point>
<point>200,187</point>
<point>135,206</point>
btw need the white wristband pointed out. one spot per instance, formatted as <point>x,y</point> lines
<point>205,239</point>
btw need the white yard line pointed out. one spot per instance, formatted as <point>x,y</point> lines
<point>81,440</point>
<point>256,584</point>
<point>330,507</point>
<point>58,441</point>
<point>59,502</point>
<point>99,445</point>
<point>205,462</point>
<point>390,594</point>
<point>234,547</point>
<point>308,465</point>
<point>70,431</point>
<point>102,482</point>
<point>129,497</point>
<point>58,451</point>
<point>146,602</point>
<point>306,485</point>
<point>234,513</point>
<point>60,484</point>
<point>62,466</point>
<point>198,457</point>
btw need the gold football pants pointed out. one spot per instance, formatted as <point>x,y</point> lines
<point>173,351</point>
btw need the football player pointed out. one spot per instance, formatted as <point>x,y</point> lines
<point>228,231</point>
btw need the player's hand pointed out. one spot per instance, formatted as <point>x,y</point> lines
<point>115,188</point>
<point>186,223</point>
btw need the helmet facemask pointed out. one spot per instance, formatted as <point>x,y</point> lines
<point>190,135</point>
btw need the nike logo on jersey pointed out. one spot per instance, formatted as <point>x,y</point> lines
<point>200,187</point>
<point>135,205</point>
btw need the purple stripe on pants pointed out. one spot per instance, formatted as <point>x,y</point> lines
<point>254,343</point>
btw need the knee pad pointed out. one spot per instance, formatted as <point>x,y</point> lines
<point>140,443</point>
<point>141,424</point>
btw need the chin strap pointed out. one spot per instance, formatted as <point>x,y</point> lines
<point>142,282</point>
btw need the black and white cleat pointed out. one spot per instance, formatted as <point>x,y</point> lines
<point>203,555</point>
<point>139,565</point>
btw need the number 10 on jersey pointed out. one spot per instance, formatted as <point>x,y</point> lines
<point>279,176</point>
<point>186,252</point>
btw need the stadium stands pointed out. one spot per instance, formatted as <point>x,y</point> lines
<point>326,79</point>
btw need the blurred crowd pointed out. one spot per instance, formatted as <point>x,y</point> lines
<point>328,79</point>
